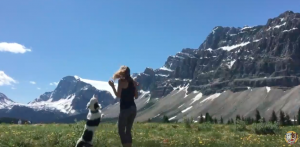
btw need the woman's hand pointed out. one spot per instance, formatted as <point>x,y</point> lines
<point>111,83</point>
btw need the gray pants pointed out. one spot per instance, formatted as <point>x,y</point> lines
<point>126,119</point>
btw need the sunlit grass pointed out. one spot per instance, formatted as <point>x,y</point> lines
<point>144,135</point>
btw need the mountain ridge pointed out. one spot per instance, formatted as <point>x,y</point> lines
<point>69,98</point>
<point>232,67</point>
<point>231,64</point>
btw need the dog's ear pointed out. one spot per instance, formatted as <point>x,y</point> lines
<point>96,105</point>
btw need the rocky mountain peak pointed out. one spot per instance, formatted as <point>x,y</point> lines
<point>149,71</point>
<point>5,101</point>
<point>69,98</point>
<point>260,55</point>
<point>4,98</point>
<point>72,94</point>
<point>134,75</point>
<point>286,14</point>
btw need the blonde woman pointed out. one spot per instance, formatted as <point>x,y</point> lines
<point>127,91</point>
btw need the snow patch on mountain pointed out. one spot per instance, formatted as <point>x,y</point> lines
<point>172,118</point>
<point>161,75</point>
<point>62,105</point>
<point>165,68</point>
<point>229,48</point>
<point>256,40</point>
<point>143,93</point>
<point>100,85</point>
<point>180,106</point>
<point>187,109</point>
<point>5,103</point>
<point>231,64</point>
<point>209,49</point>
<point>246,27</point>
<point>196,98</point>
<point>211,97</point>
<point>268,89</point>
<point>290,30</point>
<point>276,27</point>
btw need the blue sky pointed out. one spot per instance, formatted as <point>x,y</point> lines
<point>92,39</point>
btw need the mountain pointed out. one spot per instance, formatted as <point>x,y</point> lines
<point>234,71</point>
<point>5,101</point>
<point>69,98</point>
<point>72,94</point>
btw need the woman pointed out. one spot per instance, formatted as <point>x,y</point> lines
<point>127,91</point>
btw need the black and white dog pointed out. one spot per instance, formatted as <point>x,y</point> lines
<point>92,123</point>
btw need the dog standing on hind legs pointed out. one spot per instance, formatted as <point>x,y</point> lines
<point>92,123</point>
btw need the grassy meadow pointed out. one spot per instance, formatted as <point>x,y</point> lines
<point>148,135</point>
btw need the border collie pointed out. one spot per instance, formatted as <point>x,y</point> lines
<point>92,123</point>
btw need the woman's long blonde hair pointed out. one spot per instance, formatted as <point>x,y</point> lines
<point>123,72</point>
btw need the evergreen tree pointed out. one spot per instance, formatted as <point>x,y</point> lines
<point>201,119</point>
<point>216,121</point>
<point>228,121</point>
<point>207,117</point>
<point>211,120</point>
<point>257,116</point>
<point>248,120</point>
<point>221,120</point>
<point>238,117</point>
<point>281,118</point>
<point>231,121</point>
<point>166,119</point>
<point>298,117</point>
<point>273,117</point>
<point>294,122</point>
<point>243,119</point>
<point>252,121</point>
<point>288,120</point>
<point>263,120</point>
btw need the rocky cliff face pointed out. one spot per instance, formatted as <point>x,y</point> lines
<point>234,71</point>
<point>233,59</point>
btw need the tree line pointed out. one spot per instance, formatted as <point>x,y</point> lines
<point>284,119</point>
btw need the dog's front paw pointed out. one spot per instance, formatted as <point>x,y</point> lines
<point>88,145</point>
<point>84,144</point>
<point>80,144</point>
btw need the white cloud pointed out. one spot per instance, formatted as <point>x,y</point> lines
<point>32,82</point>
<point>5,79</point>
<point>13,88</point>
<point>38,88</point>
<point>54,84</point>
<point>13,48</point>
